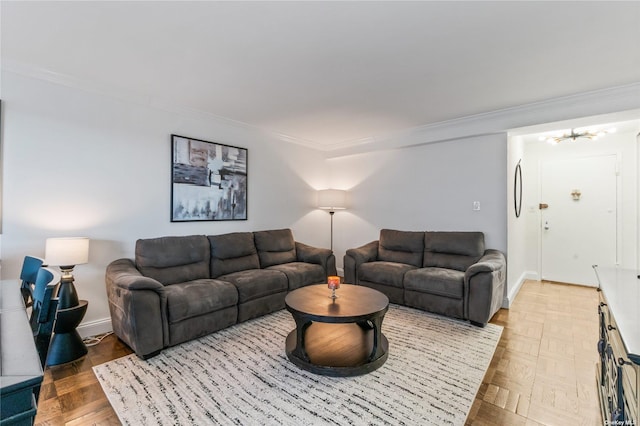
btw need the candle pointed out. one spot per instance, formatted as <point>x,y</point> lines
<point>333,282</point>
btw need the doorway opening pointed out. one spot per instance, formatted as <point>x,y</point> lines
<point>591,189</point>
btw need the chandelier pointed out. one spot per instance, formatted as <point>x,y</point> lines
<point>574,134</point>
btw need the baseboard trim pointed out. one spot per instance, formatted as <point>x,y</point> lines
<point>93,328</point>
<point>526,275</point>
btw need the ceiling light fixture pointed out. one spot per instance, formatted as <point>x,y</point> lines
<point>574,134</point>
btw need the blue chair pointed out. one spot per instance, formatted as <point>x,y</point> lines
<point>30,267</point>
<point>43,312</point>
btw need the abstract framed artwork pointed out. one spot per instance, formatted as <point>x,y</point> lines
<point>208,181</point>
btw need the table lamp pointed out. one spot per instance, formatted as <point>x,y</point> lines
<point>66,253</point>
<point>67,345</point>
<point>332,200</point>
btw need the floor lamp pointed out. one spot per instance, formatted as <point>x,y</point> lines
<point>332,200</point>
<point>66,253</point>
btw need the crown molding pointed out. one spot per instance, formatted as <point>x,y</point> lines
<point>596,102</point>
<point>142,99</point>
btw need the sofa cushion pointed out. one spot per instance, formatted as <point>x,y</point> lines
<point>171,260</point>
<point>401,246</point>
<point>439,281</point>
<point>275,247</point>
<point>300,274</point>
<point>387,273</point>
<point>232,253</point>
<point>199,297</point>
<point>256,283</point>
<point>453,250</point>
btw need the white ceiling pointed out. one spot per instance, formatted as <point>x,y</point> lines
<point>330,73</point>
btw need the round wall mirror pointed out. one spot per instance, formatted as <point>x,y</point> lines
<point>517,189</point>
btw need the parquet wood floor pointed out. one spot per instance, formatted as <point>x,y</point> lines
<point>542,373</point>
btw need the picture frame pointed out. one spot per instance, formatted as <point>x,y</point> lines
<point>208,180</point>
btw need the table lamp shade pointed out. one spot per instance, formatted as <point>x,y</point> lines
<point>332,199</point>
<point>67,251</point>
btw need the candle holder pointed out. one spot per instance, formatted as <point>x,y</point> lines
<point>333,283</point>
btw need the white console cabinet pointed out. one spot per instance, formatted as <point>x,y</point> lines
<point>618,371</point>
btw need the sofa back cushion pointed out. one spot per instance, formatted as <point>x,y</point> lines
<point>401,246</point>
<point>232,253</point>
<point>275,247</point>
<point>453,250</point>
<point>172,260</point>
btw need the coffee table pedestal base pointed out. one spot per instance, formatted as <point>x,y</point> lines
<point>351,357</point>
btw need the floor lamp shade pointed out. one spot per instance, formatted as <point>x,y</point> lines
<point>332,199</point>
<point>67,251</point>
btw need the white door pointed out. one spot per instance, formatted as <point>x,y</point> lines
<point>579,226</point>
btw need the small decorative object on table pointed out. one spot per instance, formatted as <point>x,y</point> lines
<point>333,284</point>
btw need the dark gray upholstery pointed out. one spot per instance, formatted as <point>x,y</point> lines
<point>437,304</point>
<point>197,308</point>
<point>256,283</point>
<point>395,294</point>
<point>193,328</point>
<point>489,270</point>
<point>318,256</point>
<point>275,247</point>
<point>232,253</point>
<point>401,246</point>
<point>387,273</point>
<point>171,260</point>
<point>199,297</point>
<point>181,288</point>
<point>455,275</point>
<point>440,281</point>
<point>137,307</point>
<point>300,274</point>
<point>453,250</point>
<point>258,307</point>
<point>259,291</point>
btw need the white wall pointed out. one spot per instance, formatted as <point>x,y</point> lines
<point>78,162</point>
<point>83,164</point>
<point>519,237</point>
<point>426,187</point>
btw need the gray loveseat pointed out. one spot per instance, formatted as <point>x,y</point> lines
<point>448,273</point>
<point>181,288</point>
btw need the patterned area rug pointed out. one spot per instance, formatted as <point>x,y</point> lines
<point>242,376</point>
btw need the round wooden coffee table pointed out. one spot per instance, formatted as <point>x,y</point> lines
<point>337,337</point>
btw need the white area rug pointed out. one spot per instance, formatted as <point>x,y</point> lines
<point>242,376</point>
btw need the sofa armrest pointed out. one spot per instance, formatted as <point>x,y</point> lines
<point>137,306</point>
<point>484,287</point>
<point>320,256</point>
<point>356,257</point>
<point>124,274</point>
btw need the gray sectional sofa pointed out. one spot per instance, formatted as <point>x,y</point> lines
<point>180,288</point>
<point>448,273</point>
